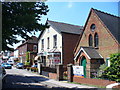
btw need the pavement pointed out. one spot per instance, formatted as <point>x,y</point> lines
<point>54,83</point>
<point>21,78</point>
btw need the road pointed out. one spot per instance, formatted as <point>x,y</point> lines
<point>22,79</point>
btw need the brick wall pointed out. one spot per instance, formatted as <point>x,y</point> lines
<point>89,81</point>
<point>69,42</point>
<point>107,43</point>
<point>30,47</point>
<point>53,76</point>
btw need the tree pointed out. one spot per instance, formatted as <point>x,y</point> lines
<point>21,19</point>
<point>27,58</point>
<point>113,72</point>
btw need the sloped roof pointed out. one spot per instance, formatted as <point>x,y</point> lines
<point>33,40</point>
<point>67,28</point>
<point>64,28</point>
<point>111,23</point>
<point>90,52</point>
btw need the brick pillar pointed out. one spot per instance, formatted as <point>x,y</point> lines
<point>70,72</point>
<point>59,72</point>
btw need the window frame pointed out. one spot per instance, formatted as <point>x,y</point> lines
<point>92,27</point>
<point>96,40</point>
<point>90,40</point>
<point>42,44</point>
<point>34,46</point>
<point>55,41</point>
<point>48,42</point>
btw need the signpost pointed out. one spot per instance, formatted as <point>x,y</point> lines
<point>78,71</point>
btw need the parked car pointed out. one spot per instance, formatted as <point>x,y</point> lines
<point>11,62</point>
<point>6,66</point>
<point>20,65</point>
<point>34,66</point>
<point>2,75</point>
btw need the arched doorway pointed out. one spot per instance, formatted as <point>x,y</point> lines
<point>83,63</point>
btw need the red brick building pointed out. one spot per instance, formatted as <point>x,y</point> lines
<point>100,39</point>
<point>29,45</point>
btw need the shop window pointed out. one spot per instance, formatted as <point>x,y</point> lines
<point>48,42</point>
<point>92,27</point>
<point>42,44</point>
<point>54,41</point>
<point>96,40</point>
<point>90,40</point>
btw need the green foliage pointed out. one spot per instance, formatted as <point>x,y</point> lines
<point>113,72</point>
<point>27,56</point>
<point>28,68</point>
<point>21,19</point>
<point>27,63</point>
<point>101,70</point>
<point>34,69</point>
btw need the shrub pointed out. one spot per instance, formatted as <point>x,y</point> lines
<point>27,63</point>
<point>113,72</point>
<point>101,70</point>
<point>28,68</point>
<point>34,69</point>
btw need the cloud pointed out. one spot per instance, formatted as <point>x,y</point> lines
<point>70,4</point>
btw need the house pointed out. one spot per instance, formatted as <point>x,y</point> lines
<point>100,39</point>
<point>30,46</point>
<point>56,44</point>
<point>16,54</point>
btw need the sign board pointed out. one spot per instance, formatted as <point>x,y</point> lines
<point>55,59</point>
<point>78,70</point>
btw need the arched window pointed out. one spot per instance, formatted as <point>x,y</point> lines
<point>90,40</point>
<point>96,40</point>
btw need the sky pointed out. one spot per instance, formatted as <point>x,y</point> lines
<point>75,13</point>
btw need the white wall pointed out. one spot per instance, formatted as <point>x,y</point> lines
<point>50,33</point>
<point>16,53</point>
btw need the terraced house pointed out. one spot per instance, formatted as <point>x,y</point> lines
<point>56,44</point>
<point>30,46</point>
<point>101,37</point>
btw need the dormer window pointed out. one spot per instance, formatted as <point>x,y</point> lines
<point>93,27</point>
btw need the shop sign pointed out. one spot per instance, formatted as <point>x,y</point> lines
<point>78,70</point>
<point>55,59</point>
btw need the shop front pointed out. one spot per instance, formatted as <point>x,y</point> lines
<point>54,58</point>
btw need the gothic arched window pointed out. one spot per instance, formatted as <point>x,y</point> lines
<point>90,40</point>
<point>96,40</point>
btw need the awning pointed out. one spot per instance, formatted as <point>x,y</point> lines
<point>54,51</point>
<point>37,58</point>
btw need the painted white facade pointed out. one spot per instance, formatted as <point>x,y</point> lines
<point>16,53</point>
<point>50,33</point>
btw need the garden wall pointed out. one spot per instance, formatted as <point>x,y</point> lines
<point>53,76</point>
<point>89,81</point>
